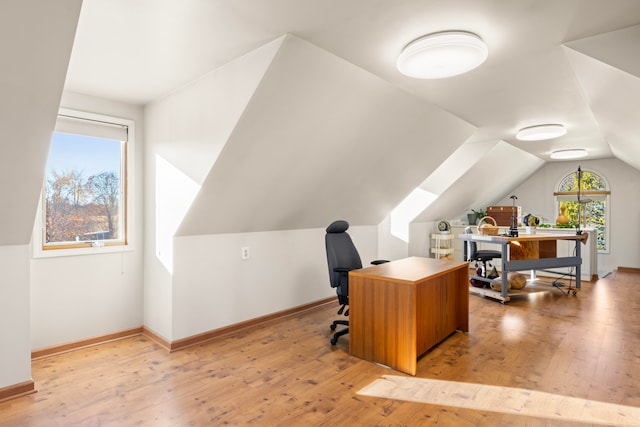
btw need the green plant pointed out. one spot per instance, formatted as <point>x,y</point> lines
<point>569,225</point>
<point>480,213</point>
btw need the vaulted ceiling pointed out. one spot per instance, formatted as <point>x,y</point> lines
<point>561,61</point>
<point>143,50</point>
<point>349,145</point>
<point>550,61</point>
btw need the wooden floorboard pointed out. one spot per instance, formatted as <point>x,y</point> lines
<point>286,372</point>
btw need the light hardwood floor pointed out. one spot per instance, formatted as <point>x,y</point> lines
<point>287,373</point>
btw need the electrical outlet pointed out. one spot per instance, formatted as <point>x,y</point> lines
<point>245,252</point>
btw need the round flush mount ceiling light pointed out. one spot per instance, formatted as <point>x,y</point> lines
<point>541,132</point>
<point>574,153</point>
<point>440,55</point>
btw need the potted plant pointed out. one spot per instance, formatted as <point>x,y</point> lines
<point>475,215</point>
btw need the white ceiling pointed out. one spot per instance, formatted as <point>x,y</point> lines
<point>35,41</point>
<point>138,51</point>
<point>569,61</point>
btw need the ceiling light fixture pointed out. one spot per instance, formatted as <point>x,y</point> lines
<point>440,55</point>
<point>573,153</point>
<point>541,132</point>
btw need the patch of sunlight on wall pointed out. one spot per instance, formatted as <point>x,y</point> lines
<point>175,192</point>
<point>407,210</point>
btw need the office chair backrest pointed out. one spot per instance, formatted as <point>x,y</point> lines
<point>470,248</point>
<point>341,252</point>
<point>473,251</point>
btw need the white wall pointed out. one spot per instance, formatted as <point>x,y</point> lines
<point>157,296</point>
<point>391,247</point>
<point>79,297</point>
<point>536,195</point>
<point>15,351</point>
<point>36,39</point>
<point>214,287</point>
<point>208,285</point>
<point>187,130</point>
<point>420,238</point>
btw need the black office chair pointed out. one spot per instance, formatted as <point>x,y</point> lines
<point>484,256</point>
<point>342,257</point>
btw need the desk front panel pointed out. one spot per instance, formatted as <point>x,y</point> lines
<point>382,324</point>
<point>393,321</point>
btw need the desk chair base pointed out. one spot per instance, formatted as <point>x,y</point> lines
<point>344,310</point>
<point>334,325</point>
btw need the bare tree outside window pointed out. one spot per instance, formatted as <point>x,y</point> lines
<point>105,191</point>
<point>79,210</point>
<point>83,191</point>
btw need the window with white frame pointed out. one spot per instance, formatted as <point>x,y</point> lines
<point>85,194</point>
<point>583,197</point>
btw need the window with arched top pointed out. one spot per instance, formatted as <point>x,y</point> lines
<point>583,199</point>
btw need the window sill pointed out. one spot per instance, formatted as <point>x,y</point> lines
<point>38,252</point>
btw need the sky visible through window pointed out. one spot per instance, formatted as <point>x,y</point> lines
<point>88,155</point>
<point>83,190</point>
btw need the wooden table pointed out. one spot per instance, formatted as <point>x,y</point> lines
<point>527,252</point>
<point>400,309</point>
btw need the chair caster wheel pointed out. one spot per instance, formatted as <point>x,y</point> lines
<point>333,327</point>
<point>334,341</point>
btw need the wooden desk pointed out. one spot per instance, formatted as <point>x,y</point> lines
<point>400,309</point>
<point>528,252</point>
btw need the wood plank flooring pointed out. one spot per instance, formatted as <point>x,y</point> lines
<point>287,373</point>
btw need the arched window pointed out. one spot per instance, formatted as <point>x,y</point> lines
<point>586,205</point>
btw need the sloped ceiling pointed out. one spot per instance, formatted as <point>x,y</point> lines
<point>139,51</point>
<point>190,126</point>
<point>36,37</point>
<point>351,117</point>
<point>488,177</point>
<point>549,61</point>
<point>321,139</point>
<point>608,68</point>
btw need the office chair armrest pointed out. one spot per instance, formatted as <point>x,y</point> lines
<point>379,261</point>
<point>342,269</point>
